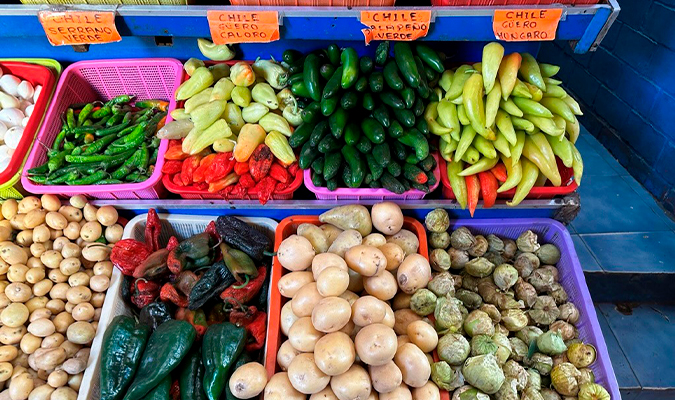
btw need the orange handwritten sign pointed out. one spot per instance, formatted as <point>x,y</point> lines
<point>243,26</point>
<point>395,25</point>
<point>526,24</point>
<point>79,27</point>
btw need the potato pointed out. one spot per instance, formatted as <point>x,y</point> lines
<point>17,273</point>
<point>42,392</point>
<point>334,353</point>
<point>83,312</point>
<point>305,376</point>
<point>16,314</point>
<point>89,212</point>
<point>387,217</point>
<point>59,291</point>
<point>28,204</point>
<point>352,216</point>
<point>91,231</point>
<point>34,218</point>
<point>99,283</point>
<point>287,318</point>
<point>69,266</point>
<point>286,354</point>
<point>13,254</point>
<point>383,286</point>
<point>366,260</point>
<point>414,273</point>
<point>407,240</point>
<point>96,252</point>
<point>333,281</point>
<point>8,353</point>
<point>35,275</point>
<point>25,238</point>
<point>352,385</point>
<point>17,222</point>
<point>9,208</point>
<point>289,284</point>
<point>107,215</point>
<point>295,253</point>
<point>20,386</point>
<point>5,233</point>
<point>70,348</point>
<point>325,394</point>
<point>18,292</point>
<point>280,388</point>
<point>51,258</point>
<point>376,344</point>
<point>402,392</point>
<point>350,296</point>
<point>368,310</point>
<point>63,321</point>
<point>55,306</point>
<point>427,392</point>
<point>423,335</point>
<point>72,230</point>
<point>302,335</point>
<point>42,327</point>
<point>36,302</point>
<point>57,378</point>
<point>413,364</point>
<point>305,299</point>
<point>331,232</point>
<point>71,213</point>
<point>52,341</point>
<point>404,317</point>
<point>315,235</point>
<point>81,332</point>
<point>394,255</point>
<point>41,234</point>
<point>331,314</point>
<point>64,393</point>
<point>48,359</point>
<point>326,260</point>
<point>374,239</point>
<point>113,234</point>
<point>248,381</point>
<point>6,370</point>
<point>389,317</point>
<point>386,377</point>
<point>401,300</point>
<point>103,268</point>
<point>345,241</point>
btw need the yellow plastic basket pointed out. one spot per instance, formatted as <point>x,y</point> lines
<point>12,189</point>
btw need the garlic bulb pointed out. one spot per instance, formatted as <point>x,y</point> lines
<point>8,101</point>
<point>13,137</point>
<point>3,129</point>
<point>25,90</point>
<point>29,110</point>
<point>11,116</point>
<point>36,94</point>
<point>24,122</point>
<point>9,84</point>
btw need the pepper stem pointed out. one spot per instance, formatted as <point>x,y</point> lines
<point>243,285</point>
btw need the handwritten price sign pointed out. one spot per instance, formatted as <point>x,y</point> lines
<point>243,26</point>
<point>79,27</point>
<point>395,25</point>
<point>526,24</point>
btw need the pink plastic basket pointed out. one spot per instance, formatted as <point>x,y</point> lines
<point>323,193</point>
<point>86,81</point>
<point>455,3</point>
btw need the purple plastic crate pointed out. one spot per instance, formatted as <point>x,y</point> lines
<point>86,81</point>
<point>571,278</point>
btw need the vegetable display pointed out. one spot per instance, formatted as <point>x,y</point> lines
<point>507,328</point>
<point>17,99</point>
<point>507,124</point>
<point>202,307</point>
<point>104,143</point>
<point>362,125</point>
<point>231,135</point>
<point>55,275</point>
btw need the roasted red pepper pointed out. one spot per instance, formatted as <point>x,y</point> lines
<point>488,188</point>
<point>260,162</point>
<point>200,173</point>
<point>193,250</point>
<point>170,293</point>
<point>128,254</point>
<point>280,187</point>
<point>175,153</point>
<point>173,243</point>
<point>241,168</point>
<point>216,315</point>
<point>171,167</point>
<point>236,294</point>
<point>153,227</point>
<point>221,166</point>
<point>499,171</point>
<point>255,323</point>
<point>196,318</point>
<point>211,230</point>
<point>279,173</point>
<point>190,164</point>
<point>246,181</point>
<point>185,281</point>
<point>144,292</point>
<point>154,266</point>
<point>264,189</point>
<point>238,192</point>
<point>293,168</point>
<point>473,192</point>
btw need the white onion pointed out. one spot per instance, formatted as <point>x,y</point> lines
<point>25,90</point>
<point>13,137</point>
<point>29,110</point>
<point>4,162</point>
<point>36,95</point>
<point>11,116</point>
<point>23,104</point>
<point>24,122</point>
<point>3,129</point>
<point>9,84</point>
<point>8,101</point>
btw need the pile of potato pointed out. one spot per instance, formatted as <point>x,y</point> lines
<point>54,272</point>
<point>345,341</point>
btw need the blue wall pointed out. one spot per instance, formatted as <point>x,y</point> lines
<point>627,91</point>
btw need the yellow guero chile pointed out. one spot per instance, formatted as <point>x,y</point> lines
<point>558,107</point>
<point>200,80</point>
<point>506,127</point>
<point>508,73</point>
<point>547,125</point>
<point>492,104</point>
<point>541,180</point>
<point>446,146</point>
<point>562,148</point>
<point>502,145</point>
<point>222,90</point>
<point>447,116</point>
<point>473,103</point>
<point>492,57</point>
<point>529,178</point>
<point>457,183</point>
<point>446,79</point>
<point>481,165</point>
<point>555,91</point>
<point>522,124</point>
<point>197,100</point>
<point>198,140</point>
<point>572,128</point>
<point>462,74</point>
<point>510,107</point>
<point>538,151</point>
<point>517,150</point>
<point>573,105</point>
<point>532,107</point>
<point>577,165</point>
<point>484,146</point>
<point>471,155</point>
<point>461,114</point>
<point>514,174</point>
<point>191,65</point>
<point>560,123</point>
<point>275,122</point>
<point>206,114</point>
<point>278,144</point>
<point>536,93</point>
<point>430,115</point>
<point>215,52</point>
<point>219,71</point>
<point>529,70</point>
<point>521,90</point>
<point>468,133</point>
<point>548,70</point>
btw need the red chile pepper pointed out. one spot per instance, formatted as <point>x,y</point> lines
<point>499,171</point>
<point>246,181</point>
<point>144,292</point>
<point>153,227</point>
<point>173,243</point>
<point>190,164</point>
<point>211,230</point>
<point>255,323</point>
<point>204,164</point>
<point>279,173</point>
<point>473,192</point>
<point>236,294</point>
<point>280,187</point>
<point>264,189</point>
<point>171,167</point>
<point>488,188</point>
<point>175,153</point>
<point>201,186</point>
<point>221,166</point>
<point>241,168</point>
<point>293,168</point>
<point>154,266</point>
<point>128,254</point>
<point>170,293</point>
<point>196,318</point>
<point>260,162</point>
<point>243,315</point>
<point>227,191</point>
<point>177,179</point>
<point>238,191</point>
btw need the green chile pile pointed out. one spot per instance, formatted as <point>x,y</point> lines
<point>506,327</point>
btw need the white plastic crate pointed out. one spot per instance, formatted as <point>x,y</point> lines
<point>181,226</point>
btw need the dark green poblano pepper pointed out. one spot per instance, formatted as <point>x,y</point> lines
<point>221,346</point>
<point>239,263</point>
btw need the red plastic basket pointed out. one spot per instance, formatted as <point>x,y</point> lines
<point>86,81</point>
<point>454,3</point>
<point>315,3</point>
<point>191,192</point>
<point>36,75</point>
<point>538,192</point>
<point>286,228</point>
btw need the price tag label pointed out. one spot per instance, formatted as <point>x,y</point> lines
<point>79,27</point>
<point>243,26</point>
<point>395,25</point>
<point>526,25</point>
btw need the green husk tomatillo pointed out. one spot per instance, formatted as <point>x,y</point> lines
<point>495,243</point>
<point>527,242</point>
<point>549,394</point>
<point>471,300</point>
<point>478,323</point>
<point>514,319</point>
<point>516,371</point>
<point>480,247</point>
<point>552,343</point>
<point>445,376</point>
<point>440,260</point>
<point>566,330</point>
<point>542,279</point>
<point>468,392</point>
<point>540,362</point>
<point>484,373</point>
<point>437,221</point>
<point>439,240</point>
<point>442,284</point>
<point>508,390</point>
<point>558,293</point>
<point>533,378</point>
<point>544,311</point>
<point>531,393</point>
<point>494,257</point>
<point>564,378</point>
<point>482,344</point>
<point>548,254</point>
<point>593,391</point>
<point>518,349</point>
<point>569,312</point>
<point>581,355</point>
<point>528,334</point>
<point>586,375</point>
<point>448,315</point>
<point>510,248</point>
<point>453,348</point>
<point>492,311</point>
<point>503,347</point>
<point>462,239</point>
<point>458,258</point>
<point>423,302</point>
<point>479,267</point>
<point>526,263</point>
<point>505,276</point>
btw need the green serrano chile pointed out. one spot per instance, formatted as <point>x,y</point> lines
<point>84,114</point>
<point>191,378</point>
<point>311,76</point>
<point>350,67</point>
<point>221,346</point>
<point>166,348</point>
